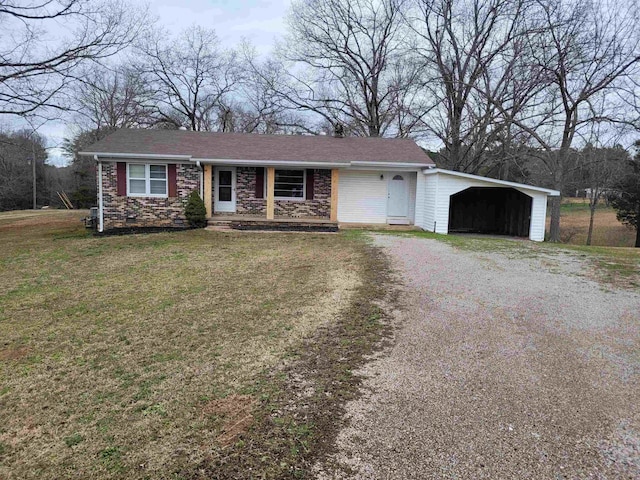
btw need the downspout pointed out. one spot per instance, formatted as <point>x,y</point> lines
<point>201,178</point>
<point>100,202</point>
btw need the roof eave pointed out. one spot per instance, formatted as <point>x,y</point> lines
<point>549,192</point>
<point>151,156</point>
<point>392,164</point>
<point>270,163</point>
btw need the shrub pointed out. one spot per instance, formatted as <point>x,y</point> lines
<point>195,211</point>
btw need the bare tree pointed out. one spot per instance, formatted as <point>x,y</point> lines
<point>471,51</point>
<point>21,154</point>
<point>193,76</point>
<point>36,67</point>
<point>601,168</point>
<point>110,98</point>
<point>582,52</point>
<point>347,63</point>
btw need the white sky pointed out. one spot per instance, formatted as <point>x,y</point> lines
<point>259,21</point>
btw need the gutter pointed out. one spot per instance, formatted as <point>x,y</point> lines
<point>100,202</point>
<point>273,163</point>
<point>150,156</point>
<point>392,164</point>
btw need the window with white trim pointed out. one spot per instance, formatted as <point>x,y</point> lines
<point>289,184</point>
<point>146,180</point>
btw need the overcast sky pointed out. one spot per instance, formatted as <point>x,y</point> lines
<point>259,21</point>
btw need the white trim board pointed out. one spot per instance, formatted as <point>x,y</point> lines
<point>138,156</point>
<point>432,171</point>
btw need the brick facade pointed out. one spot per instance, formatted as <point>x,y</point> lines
<point>246,201</point>
<point>131,212</point>
<point>248,204</point>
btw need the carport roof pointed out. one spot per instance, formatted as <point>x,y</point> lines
<point>433,171</point>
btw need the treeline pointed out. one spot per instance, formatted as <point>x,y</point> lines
<point>523,90</point>
<point>18,149</point>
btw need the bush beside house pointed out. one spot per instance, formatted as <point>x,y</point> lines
<point>195,211</point>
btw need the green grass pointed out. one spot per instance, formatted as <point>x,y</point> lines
<point>113,348</point>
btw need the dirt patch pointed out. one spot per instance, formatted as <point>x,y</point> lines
<point>237,415</point>
<point>14,353</point>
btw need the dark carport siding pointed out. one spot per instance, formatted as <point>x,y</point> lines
<point>490,210</point>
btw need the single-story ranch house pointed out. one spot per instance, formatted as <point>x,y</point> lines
<point>145,177</point>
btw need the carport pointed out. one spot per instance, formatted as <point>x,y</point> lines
<point>490,210</point>
<point>448,201</point>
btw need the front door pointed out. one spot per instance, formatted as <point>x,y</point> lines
<point>224,186</point>
<point>398,195</point>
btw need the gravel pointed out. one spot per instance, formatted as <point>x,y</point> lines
<point>501,367</point>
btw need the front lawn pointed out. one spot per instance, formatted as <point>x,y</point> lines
<point>169,355</point>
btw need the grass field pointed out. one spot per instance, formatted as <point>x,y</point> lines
<point>161,356</point>
<point>607,231</point>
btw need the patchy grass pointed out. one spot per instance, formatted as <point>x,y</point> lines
<point>177,355</point>
<point>607,230</point>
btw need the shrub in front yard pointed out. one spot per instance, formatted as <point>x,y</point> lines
<point>195,211</point>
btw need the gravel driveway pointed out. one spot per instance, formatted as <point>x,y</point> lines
<point>500,367</point>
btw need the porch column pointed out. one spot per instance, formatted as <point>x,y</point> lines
<point>207,190</point>
<point>335,177</point>
<point>271,181</point>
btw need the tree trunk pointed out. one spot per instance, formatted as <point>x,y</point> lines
<point>638,227</point>
<point>591,216</point>
<point>554,227</point>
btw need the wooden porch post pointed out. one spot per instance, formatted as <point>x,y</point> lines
<point>335,177</point>
<point>207,190</point>
<point>271,181</point>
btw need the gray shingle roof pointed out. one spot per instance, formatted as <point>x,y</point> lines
<point>247,146</point>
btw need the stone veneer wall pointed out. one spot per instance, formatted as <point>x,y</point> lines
<point>248,204</point>
<point>128,212</point>
<point>246,201</point>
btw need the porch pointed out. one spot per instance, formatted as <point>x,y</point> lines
<point>278,223</point>
<point>272,195</point>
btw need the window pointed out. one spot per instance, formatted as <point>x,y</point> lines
<point>147,180</point>
<point>289,184</point>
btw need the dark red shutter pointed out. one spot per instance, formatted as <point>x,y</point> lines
<point>260,182</point>
<point>173,180</point>
<point>310,177</point>
<point>121,178</point>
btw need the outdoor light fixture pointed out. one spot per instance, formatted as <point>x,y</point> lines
<point>381,176</point>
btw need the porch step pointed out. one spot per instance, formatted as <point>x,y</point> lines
<point>278,225</point>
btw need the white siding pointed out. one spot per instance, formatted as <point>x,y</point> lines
<point>431,190</point>
<point>412,196</point>
<point>419,207</point>
<point>362,197</point>
<point>439,187</point>
<point>538,214</point>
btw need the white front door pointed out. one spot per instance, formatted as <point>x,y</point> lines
<point>398,195</point>
<point>224,190</point>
